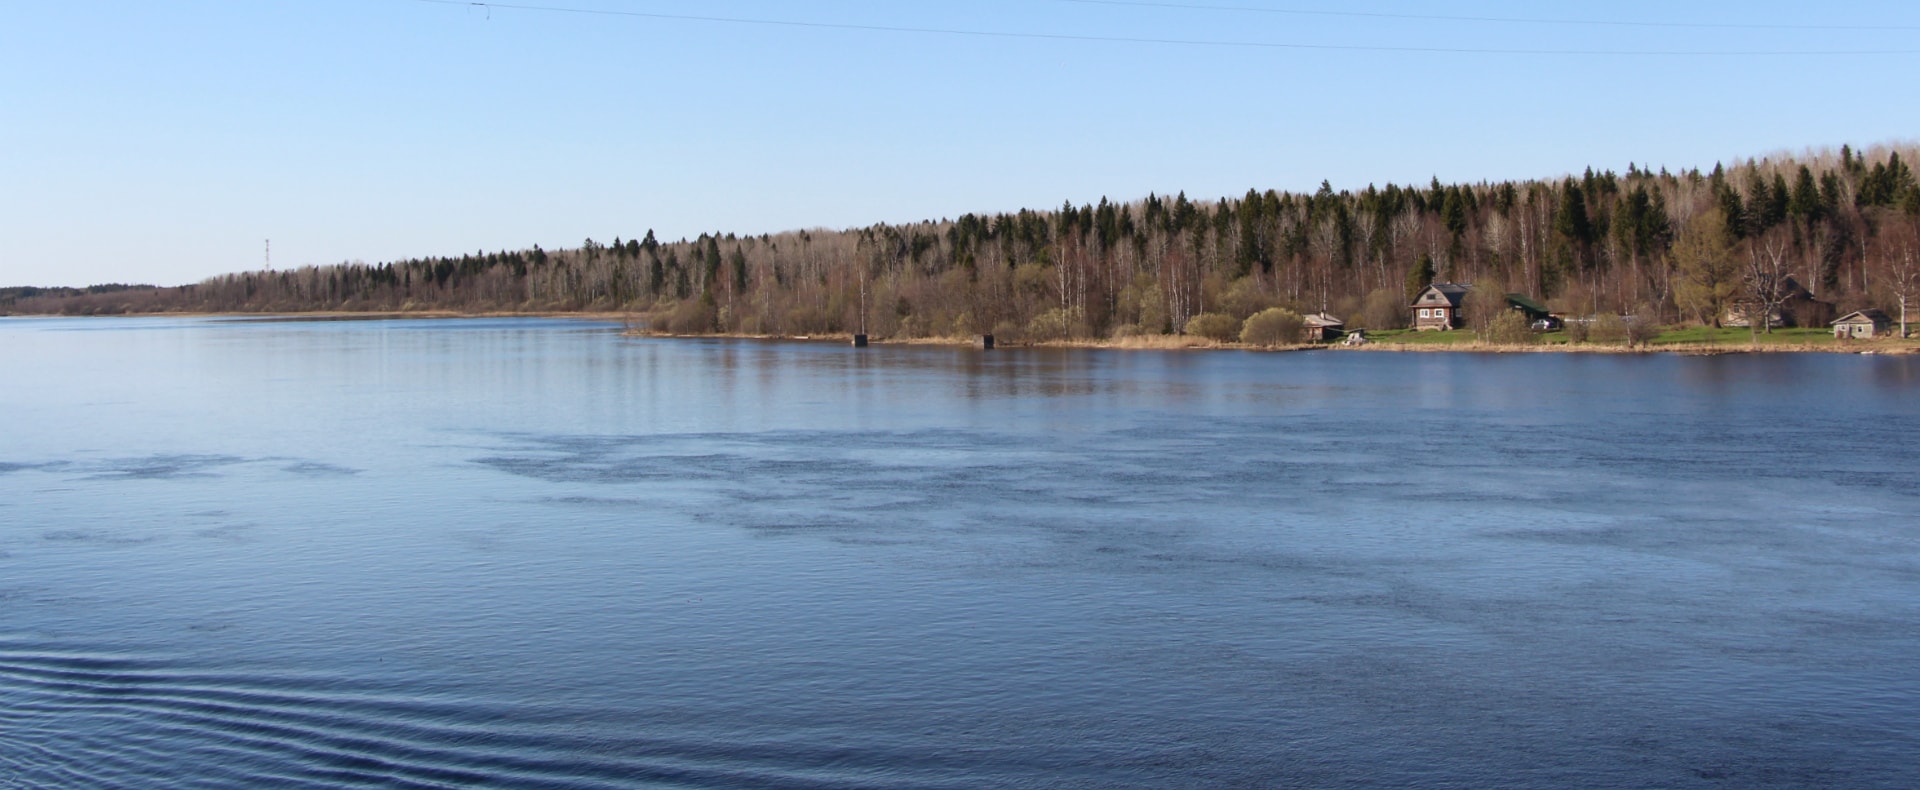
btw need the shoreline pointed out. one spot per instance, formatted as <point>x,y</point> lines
<point>1190,343</point>
<point>629,322</point>
<point>388,315</point>
<point>626,319</point>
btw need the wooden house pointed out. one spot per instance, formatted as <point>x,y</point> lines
<point>1797,309</point>
<point>1438,306</point>
<point>1323,328</point>
<point>1863,325</point>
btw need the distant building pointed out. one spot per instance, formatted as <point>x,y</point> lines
<point>1323,328</point>
<point>1863,324</point>
<point>1438,306</point>
<point>1798,309</point>
<point>1538,317</point>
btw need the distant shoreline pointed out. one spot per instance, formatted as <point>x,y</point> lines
<point>337,315</point>
<point>621,318</point>
<point>1190,343</point>
<point>1884,346</point>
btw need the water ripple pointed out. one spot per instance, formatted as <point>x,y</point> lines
<point>74,717</point>
<point>162,467</point>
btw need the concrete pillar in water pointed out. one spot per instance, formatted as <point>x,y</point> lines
<point>986,342</point>
<point>859,341</point>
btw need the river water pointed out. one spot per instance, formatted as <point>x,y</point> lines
<point>524,552</point>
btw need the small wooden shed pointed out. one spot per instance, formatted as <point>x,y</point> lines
<point>1863,324</point>
<point>1323,328</point>
<point>1538,317</point>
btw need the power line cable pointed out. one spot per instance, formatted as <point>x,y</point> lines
<point>1187,42</point>
<point>1500,19</point>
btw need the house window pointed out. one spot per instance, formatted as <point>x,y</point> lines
<point>1425,313</point>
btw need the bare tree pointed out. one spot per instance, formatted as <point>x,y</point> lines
<point>1494,232</point>
<point>1366,224</point>
<point>1326,242</point>
<point>1404,227</point>
<point>1900,264</point>
<point>1766,277</point>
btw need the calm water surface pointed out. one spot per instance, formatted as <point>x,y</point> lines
<point>536,553</point>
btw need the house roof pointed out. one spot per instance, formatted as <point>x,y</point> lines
<point>1453,292</point>
<point>1869,315</point>
<point>1324,320</point>
<point>1791,292</point>
<point>1523,301</point>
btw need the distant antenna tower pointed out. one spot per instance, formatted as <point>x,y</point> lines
<point>269,254</point>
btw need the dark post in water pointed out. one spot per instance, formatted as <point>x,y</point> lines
<point>986,342</point>
<point>859,341</point>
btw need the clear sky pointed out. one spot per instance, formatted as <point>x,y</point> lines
<point>164,142</point>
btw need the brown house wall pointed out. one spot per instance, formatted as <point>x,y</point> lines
<point>1452,321</point>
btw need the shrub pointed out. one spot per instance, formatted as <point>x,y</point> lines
<point>1384,309</point>
<point>1274,326</point>
<point>1144,305</point>
<point>1577,329</point>
<point>1641,329</point>
<point>693,316</point>
<point>1153,312</point>
<point>1034,279</point>
<point>1509,328</point>
<point>1244,298</point>
<point>1483,307</point>
<point>1608,329</point>
<point>1218,327</point>
<point>1055,324</point>
<point>1353,307</point>
<point>807,320</point>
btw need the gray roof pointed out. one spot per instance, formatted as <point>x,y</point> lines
<point>1869,315</point>
<point>1453,292</point>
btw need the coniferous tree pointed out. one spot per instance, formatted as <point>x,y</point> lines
<point>1420,276</point>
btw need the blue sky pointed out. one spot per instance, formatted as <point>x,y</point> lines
<point>165,142</point>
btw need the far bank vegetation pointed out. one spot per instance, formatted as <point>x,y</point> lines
<point>1661,247</point>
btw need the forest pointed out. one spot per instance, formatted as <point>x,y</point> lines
<point>1670,247</point>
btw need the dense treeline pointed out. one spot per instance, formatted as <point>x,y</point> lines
<point>1674,246</point>
<point>114,297</point>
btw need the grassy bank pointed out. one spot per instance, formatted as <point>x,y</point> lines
<point>1686,340</point>
<point>1692,339</point>
<point>1680,341</point>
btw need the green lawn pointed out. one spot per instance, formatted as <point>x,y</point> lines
<point>1742,336</point>
<point>1457,337</point>
<point>1411,337</point>
<point>1680,336</point>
